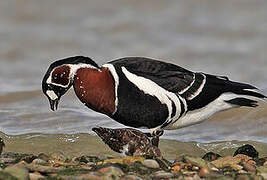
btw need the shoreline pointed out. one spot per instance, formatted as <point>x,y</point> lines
<point>86,144</point>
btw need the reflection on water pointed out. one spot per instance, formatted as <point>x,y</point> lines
<point>221,37</point>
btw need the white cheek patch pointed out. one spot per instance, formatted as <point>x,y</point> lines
<point>51,95</point>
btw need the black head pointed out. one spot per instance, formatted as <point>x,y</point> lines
<point>59,77</point>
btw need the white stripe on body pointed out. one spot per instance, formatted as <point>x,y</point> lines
<point>198,91</point>
<point>153,89</point>
<point>199,115</point>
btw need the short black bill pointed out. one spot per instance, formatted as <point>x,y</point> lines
<point>53,104</point>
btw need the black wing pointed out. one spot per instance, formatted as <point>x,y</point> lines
<point>169,76</point>
<point>199,89</point>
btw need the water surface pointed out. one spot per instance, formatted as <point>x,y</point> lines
<point>218,37</point>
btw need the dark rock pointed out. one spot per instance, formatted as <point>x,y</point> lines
<point>248,150</point>
<point>2,145</point>
<point>211,156</point>
<point>81,159</point>
<point>127,141</point>
<point>29,158</point>
<point>260,161</point>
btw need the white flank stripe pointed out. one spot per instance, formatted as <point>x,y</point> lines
<point>151,88</point>
<point>192,96</point>
<point>116,79</point>
<point>199,115</point>
<point>185,89</point>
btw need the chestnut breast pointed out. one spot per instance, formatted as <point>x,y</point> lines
<point>95,89</point>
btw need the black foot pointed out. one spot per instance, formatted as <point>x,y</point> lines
<point>155,141</point>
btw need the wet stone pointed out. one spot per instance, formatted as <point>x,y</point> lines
<point>249,167</point>
<point>248,150</point>
<point>34,176</point>
<point>162,174</point>
<point>151,163</point>
<point>39,162</point>
<point>131,177</point>
<point>111,172</point>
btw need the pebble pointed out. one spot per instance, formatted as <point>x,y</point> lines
<point>111,171</point>
<point>151,163</point>
<point>34,176</point>
<point>176,168</point>
<point>162,174</point>
<point>39,162</point>
<point>204,172</point>
<point>131,177</point>
<point>211,156</point>
<point>249,167</point>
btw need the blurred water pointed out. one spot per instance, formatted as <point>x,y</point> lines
<point>221,37</point>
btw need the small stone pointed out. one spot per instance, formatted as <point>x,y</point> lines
<point>248,150</point>
<point>261,161</point>
<point>251,162</point>
<point>34,176</point>
<point>162,174</point>
<point>150,163</point>
<point>176,168</point>
<point>248,167</point>
<point>90,176</point>
<point>111,172</point>
<point>18,171</point>
<point>131,177</point>
<point>39,162</point>
<point>29,158</point>
<point>211,156</point>
<point>204,172</point>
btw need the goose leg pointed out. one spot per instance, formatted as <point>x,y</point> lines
<point>155,137</point>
